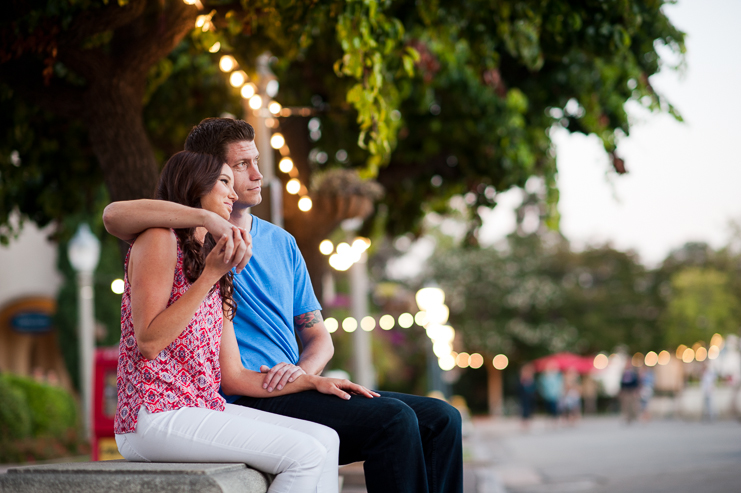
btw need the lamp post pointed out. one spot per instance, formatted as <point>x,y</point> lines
<point>84,252</point>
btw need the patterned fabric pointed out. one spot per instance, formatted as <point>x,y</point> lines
<point>185,374</point>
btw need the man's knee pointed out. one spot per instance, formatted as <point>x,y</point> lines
<point>447,419</point>
<point>403,420</point>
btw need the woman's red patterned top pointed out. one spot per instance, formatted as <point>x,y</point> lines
<point>185,374</point>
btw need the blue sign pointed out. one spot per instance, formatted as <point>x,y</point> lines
<point>31,322</point>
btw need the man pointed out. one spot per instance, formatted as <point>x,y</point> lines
<point>409,443</point>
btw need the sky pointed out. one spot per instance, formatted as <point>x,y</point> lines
<point>684,179</point>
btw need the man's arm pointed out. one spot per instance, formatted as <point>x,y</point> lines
<point>317,351</point>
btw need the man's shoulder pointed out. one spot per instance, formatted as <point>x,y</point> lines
<point>268,231</point>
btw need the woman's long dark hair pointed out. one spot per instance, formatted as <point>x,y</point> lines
<point>186,178</point>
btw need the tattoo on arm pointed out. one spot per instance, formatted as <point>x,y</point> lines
<point>308,319</point>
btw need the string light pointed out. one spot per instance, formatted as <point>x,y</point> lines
<point>349,324</point>
<point>277,141</point>
<point>500,362</point>
<point>189,2</point>
<point>256,102</point>
<point>406,320</point>
<point>326,247</point>
<point>248,90</point>
<point>117,286</point>
<point>305,204</point>
<point>476,361</point>
<point>238,78</point>
<point>285,165</point>
<point>227,63</point>
<point>368,323</point>
<point>387,322</point>
<point>293,186</point>
<point>215,48</point>
<point>331,325</point>
<point>274,107</point>
<point>463,360</point>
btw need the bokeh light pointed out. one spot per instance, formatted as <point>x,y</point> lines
<point>277,141</point>
<point>500,362</point>
<point>637,359</point>
<point>664,357</point>
<point>332,325</point>
<point>447,362</point>
<point>326,247</point>
<point>117,286</point>
<point>601,361</point>
<point>293,186</point>
<point>441,348</point>
<point>248,90</point>
<point>238,78</point>
<point>349,324</point>
<point>387,322</point>
<point>680,351</point>
<point>305,204</point>
<point>701,354</point>
<point>256,102</point>
<point>476,361</point>
<point>688,355</point>
<point>421,318</point>
<point>368,323</point>
<point>463,360</point>
<point>285,165</point>
<point>713,352</point>
<point>274,107</point>
<point>406,320</point>
<point>227,63</point>
<point>651,358</point>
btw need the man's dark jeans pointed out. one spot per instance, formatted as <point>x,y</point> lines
<point>410,444</point>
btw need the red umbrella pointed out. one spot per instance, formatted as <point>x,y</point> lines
<point>565,361</point>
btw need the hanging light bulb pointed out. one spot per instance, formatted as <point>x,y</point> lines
<point>248,90</point>
<point>238,78</point>
<point>293,186</point>
<point>277,141</point>
<point>305,203</point>
<point>285,165</point>
<point>256,102</point>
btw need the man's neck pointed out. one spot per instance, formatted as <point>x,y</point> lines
<point>241,218</point>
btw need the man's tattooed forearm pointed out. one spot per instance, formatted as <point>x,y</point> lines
<point>308,319</point>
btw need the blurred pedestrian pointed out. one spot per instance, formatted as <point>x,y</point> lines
<point>526,390</point>
<point>646,380</point>
<point>629,397</point>
<point>550,387</point>
<point>570,403</point>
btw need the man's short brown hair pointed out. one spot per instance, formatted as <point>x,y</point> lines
<point>213,136</point>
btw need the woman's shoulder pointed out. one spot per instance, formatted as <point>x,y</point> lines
<point>157,241</point>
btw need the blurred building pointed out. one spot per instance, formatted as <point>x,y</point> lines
<point>29,282</point>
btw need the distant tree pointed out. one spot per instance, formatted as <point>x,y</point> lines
<point>700,304</point>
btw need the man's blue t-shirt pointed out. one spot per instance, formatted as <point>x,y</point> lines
<point>272,289</point>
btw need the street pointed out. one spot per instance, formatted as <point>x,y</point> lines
<point>603,455</point>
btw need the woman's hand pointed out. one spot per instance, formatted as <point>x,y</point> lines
<point>340,387</point>
<point>216,265</point>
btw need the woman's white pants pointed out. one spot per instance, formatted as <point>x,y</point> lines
<point>303,455</point>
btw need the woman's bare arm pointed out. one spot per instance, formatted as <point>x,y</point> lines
<point>127,219</point>
<point>151,271</point>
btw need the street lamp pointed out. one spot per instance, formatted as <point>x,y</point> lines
<point>84,252</point>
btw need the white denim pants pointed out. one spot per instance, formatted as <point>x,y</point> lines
<point>303,455</point>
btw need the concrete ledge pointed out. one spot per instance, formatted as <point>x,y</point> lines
<point>120,476</point>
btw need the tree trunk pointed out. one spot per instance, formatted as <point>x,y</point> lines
<point>119,140</point>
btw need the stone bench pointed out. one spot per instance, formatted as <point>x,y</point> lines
<point>120,476</point>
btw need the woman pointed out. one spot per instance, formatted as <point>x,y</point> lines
<point>175,316</point>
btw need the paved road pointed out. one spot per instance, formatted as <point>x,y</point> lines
<point>602,455</point>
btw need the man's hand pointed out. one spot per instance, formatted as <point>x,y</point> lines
<point>218,226</point>
<point>281,374</point>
